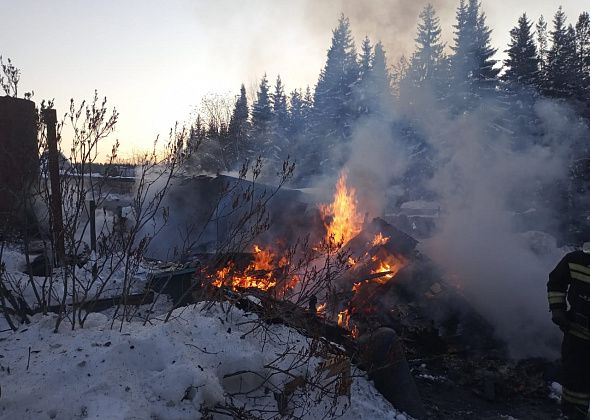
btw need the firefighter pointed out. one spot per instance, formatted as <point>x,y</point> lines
<point>569,283</point>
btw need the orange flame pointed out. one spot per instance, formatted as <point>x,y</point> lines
<point>259,274</point>
<point>379,239</point>
<point>389,263</point>
<point>344,319</point>
<point>341,218</point>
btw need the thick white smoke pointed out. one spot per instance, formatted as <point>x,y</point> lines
<point>482,179</point>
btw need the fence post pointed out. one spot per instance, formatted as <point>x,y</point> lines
<point>50,120</point>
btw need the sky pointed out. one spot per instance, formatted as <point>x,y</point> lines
<point>156,60</point>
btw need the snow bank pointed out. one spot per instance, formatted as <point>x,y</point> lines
<point>165,370</point>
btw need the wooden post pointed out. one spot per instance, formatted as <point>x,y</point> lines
<point>50,120</point>
<point>92,209</point>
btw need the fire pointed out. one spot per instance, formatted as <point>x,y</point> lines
<point>391,264</point>
<point>221,275</point>
<point>259,274</point>
<point>344,318</point>
<point>379,239</point>
<point>341,218</point>
<point>375,265</point>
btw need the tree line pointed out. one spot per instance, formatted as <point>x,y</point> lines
<point>313,126</point>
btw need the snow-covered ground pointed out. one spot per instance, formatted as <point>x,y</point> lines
<point>203,358</point>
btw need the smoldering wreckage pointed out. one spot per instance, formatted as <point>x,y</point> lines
<point>387,306</point>
<point>334,273</point>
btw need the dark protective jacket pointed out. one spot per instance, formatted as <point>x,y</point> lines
<point>571,279</point>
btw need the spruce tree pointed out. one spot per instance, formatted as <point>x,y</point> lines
<point>543,51</point>
<point>239,129</point>
<point>280,122</point>
<point>522,67</point>
<point>379,86</point>
<point>196,135</point>
<point>461,61</point>
<point>262,117</point>
<point>366,58</point>
<point>562,63</point>
<point>583,51</point>
<point>307,106</point>
<point>334,106</point>
<point>428,60</point>
<point>362,95</point>
<point>296,114</point>
<point>472,65</point>
<point>486,75</point>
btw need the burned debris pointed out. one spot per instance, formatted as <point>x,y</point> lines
<point>380,299</point>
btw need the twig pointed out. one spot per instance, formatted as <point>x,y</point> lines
<point>201,349</point>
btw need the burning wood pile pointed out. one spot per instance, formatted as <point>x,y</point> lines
<point>356,282</point>
<point>359,275</point>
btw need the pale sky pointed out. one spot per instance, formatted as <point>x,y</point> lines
<point>155,60</point>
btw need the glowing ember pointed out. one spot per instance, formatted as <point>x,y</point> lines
<point>222,275</point>
<point>379,239</point>
<point>321,308</point>
<point>341,218</point>
<point>344,319</point>
<point>259,274</point>
<point>351,262</point>
<point>390,264</point>
<point>357,286</point>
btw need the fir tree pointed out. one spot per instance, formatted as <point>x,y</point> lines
<point>280,122</point>
<point>296,114</point>
<point>196,135</point>
<point>379,86</point>
<point>522,67</point>
<point>562,65</point>
<point>472,68</point>
<point>461,61</point>
<point>399,74</point>
<point>333,98</point>
<point>583,51</point>
<point>262,117</point>
<point>428,61</point>
<point>307,106</point>
<point>543,51</point>
<point>485,74</point>
<point>362,88</point>
<point>239,128</point>
<point>366,58</point>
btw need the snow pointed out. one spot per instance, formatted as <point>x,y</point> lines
<point>108,283</point>
<point>164,370</point>
<point>555,390</point>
